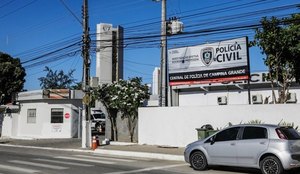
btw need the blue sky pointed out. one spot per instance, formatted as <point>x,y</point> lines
<point>32,28</point>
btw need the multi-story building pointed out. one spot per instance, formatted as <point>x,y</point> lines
<point>109,57</point>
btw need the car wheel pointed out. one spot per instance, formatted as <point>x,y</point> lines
<point>271,165</point>
<point>198,161</point>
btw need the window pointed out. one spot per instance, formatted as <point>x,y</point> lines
<point>57,115</point>
<point>31,116</point>
<point>290,133</point>
<point>228,134</point>
<point>254,133</point>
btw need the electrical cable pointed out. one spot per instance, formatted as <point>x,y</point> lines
<point>20,8</point>
<point>73,14</point>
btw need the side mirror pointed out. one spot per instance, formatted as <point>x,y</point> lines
<point>212,140</point>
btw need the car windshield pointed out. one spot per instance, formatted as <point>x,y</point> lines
<point>290,133</point>
<point>99,116</point>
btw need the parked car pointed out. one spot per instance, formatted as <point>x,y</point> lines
<point>270,148</point>
<point>98,120</point>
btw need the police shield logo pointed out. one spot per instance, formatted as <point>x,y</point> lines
<point>207,55</point>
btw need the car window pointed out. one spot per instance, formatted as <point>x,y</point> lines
<point>254,133</point>
<point>99,116</point>
<point>227,135</point>
<point>290,133</point>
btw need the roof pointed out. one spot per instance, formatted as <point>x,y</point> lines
<point>259,125</point>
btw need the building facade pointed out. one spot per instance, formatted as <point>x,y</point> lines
<point>156,81</point>
<point>109,56</point>
<point>258,91</point>
<point>45,114</point>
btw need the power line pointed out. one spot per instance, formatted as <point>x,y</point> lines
<point>151,40</point>
<point>51,52</point>
<point>9,2</point>
<point>73,14</point>
<point>20,8</point>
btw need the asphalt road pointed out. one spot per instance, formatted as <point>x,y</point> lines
<point>26,161</point>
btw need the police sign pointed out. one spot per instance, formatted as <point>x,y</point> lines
<point>207,55</point>
<point>209,63</point>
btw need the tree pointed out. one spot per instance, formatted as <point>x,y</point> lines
<point>279,39</point>
<point>107,95</point>
<point>124,96</point>
<point>12,77</point>
<point>57,80</point>
<point>77,86</point>
<point>132,94</point>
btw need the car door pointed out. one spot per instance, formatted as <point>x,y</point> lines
<point>254,141</point>
<point>222,150</point>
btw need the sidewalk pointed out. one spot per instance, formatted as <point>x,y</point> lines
<point>115,148</point>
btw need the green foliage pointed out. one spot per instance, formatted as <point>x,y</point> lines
<point>287,124</point>
<point>279,39</point>
<point>124,96</point>
<point>227,125</point>
<point>256,121</point>
<point>57,80</point>
<point>77,86</point>
<point>12,77</point>
<point>131,95</point>
<point>106,94</point>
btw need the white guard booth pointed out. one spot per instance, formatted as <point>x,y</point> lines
<point>44,114</point>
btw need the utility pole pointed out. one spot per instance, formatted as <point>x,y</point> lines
<point>163,86</point>
<point>163,95</point>
<point>86,124</point>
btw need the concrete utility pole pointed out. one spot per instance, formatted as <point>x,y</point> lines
<point>163,86</point>
<point>163,93</point>
<point>86,124</point>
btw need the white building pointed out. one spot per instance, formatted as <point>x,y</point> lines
<point>216,104</point>
<point>109,57</point>
<point>44,114</point>
<point>156,81</point>
<point>208,84</point>
<point>231,93</point>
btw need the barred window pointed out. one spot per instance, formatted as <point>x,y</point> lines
<point>31,116</point>
<point>57,115</point>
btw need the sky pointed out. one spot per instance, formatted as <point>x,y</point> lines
<point>48,32</point>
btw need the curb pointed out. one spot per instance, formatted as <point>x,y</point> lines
<point>158,156</point>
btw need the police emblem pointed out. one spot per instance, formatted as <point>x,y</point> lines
<point>207,55</point>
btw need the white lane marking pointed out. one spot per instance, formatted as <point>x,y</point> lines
<point>18,169</point>
<point>64,162</point>
<point>105,158</point>
<point>85,160</point>
<point>118,156</point>
<point>39,164</point>
<point>148,169</point>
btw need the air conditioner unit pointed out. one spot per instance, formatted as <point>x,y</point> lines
<point>291,98</point>
<point>222,100</point>
<point>257,99</point>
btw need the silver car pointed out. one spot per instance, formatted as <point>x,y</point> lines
<point>270,148</point>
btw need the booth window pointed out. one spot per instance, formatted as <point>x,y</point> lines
<point>57,115</point>
<point>31,116</point>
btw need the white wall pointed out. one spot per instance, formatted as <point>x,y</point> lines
<point>233,97</point>
<point>175,126</point>
<point>6,126</point>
